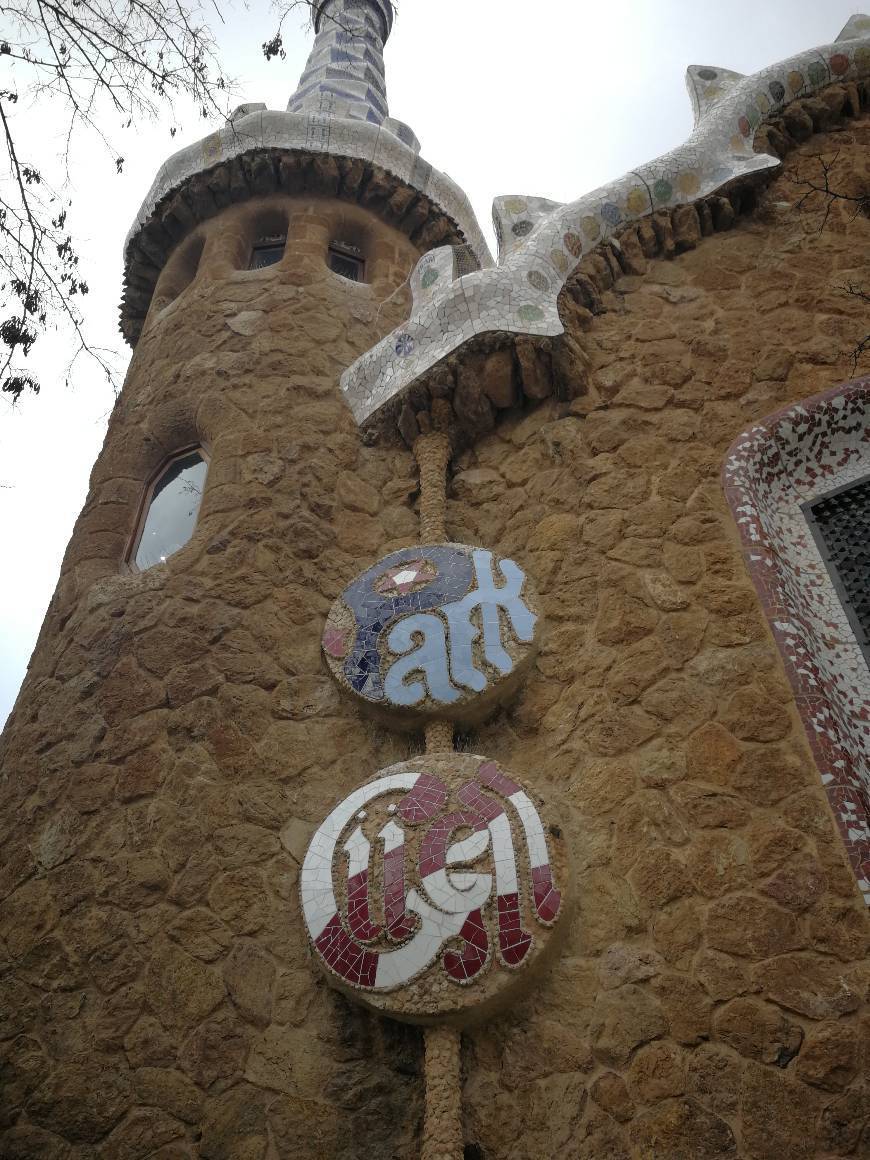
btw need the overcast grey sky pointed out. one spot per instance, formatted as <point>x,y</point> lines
<point>551,98</point>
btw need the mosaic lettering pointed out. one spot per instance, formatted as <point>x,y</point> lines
<point>432,627</point>
<point>417,874</point>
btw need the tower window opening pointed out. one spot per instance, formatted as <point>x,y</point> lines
<point>346,261</point>
<point>267,251</point>
<point>170,510</point>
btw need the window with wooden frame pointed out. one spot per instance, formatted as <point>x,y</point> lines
<point>169,510</point>
<point>267,251</point>
<point>347,261</point>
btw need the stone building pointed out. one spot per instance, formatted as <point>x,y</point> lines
<point>637,592</point>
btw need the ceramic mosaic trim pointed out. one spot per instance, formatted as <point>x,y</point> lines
<point>796,456</point>
<point>426,890</point>
<point>542,242</point>
<point>340,109</point>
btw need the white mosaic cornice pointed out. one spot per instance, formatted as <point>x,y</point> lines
<point>541,242</point>
<point>339,109</point>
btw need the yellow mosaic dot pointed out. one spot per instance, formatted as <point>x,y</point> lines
<point>637,201</point>
<point>862,57</point>
<point>688,183</point>
<point>591,226</point>
<point>737,143</point>
<point>559,260</point>
<point>763,103</point>
<point>795,81</point>
<point>516,204</point>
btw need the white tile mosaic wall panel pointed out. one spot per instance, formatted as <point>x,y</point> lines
<point>794,457</point>
<point>541,242</point>
<point>340,108</point>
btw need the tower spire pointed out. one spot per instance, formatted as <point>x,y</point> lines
<point>344,76</point>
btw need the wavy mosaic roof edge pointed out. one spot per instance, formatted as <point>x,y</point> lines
<point>541,242</point>
<point>313,133</point>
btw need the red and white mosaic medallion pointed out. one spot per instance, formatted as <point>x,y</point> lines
<point>432,890</point>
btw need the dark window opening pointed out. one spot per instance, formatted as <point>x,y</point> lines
<point>170,510</point>
<point>267,251</point>
<point>346,261</point>
<point>840,523</point>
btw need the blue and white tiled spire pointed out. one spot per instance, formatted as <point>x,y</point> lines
<point>344,76</point>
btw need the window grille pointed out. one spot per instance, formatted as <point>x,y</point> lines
<point>346,261</point>
<point>267,251</point>
<point>840,522</point>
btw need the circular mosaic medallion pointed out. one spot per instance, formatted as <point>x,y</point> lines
<point>434,890</point>
<point>530,313</point>
<point>441,630</point>
<point>839,64</point>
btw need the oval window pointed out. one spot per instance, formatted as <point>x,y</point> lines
<point>170,510</point>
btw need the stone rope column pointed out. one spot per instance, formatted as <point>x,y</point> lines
<point>442,1123</point>
<point>432,452</point>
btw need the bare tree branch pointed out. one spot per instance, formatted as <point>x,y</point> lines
<point>104,63</point>
<point>821,193</point>
<point>275,47</point>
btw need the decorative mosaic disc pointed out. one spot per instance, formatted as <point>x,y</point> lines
<point>434,889</point>
<point>441,630</point>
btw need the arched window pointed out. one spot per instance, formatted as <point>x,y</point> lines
<point>170,510</point>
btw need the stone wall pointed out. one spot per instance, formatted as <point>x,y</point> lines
<point>178,736</point>
<point>713,999</point>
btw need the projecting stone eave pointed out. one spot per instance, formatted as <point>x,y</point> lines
<point>267,151</point>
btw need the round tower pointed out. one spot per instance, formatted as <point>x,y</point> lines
<point>176,726</point>
<point>224,895</point>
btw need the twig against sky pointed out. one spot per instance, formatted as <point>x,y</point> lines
<point>825,189</point>
<point>106,64</point>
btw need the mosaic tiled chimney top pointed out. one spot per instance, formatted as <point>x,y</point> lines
<point>344,76</point>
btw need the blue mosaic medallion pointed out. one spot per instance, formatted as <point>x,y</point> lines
<point>440,630</point>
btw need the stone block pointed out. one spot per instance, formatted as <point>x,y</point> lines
<point>684,1128</point>
<point>744,925</point>
<point>809,985</point>
<point>610,1093</point>
<point>830,1058</point>
<point>657,1072</point>
<point>758,1031</point>
<point>622,1020</point>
